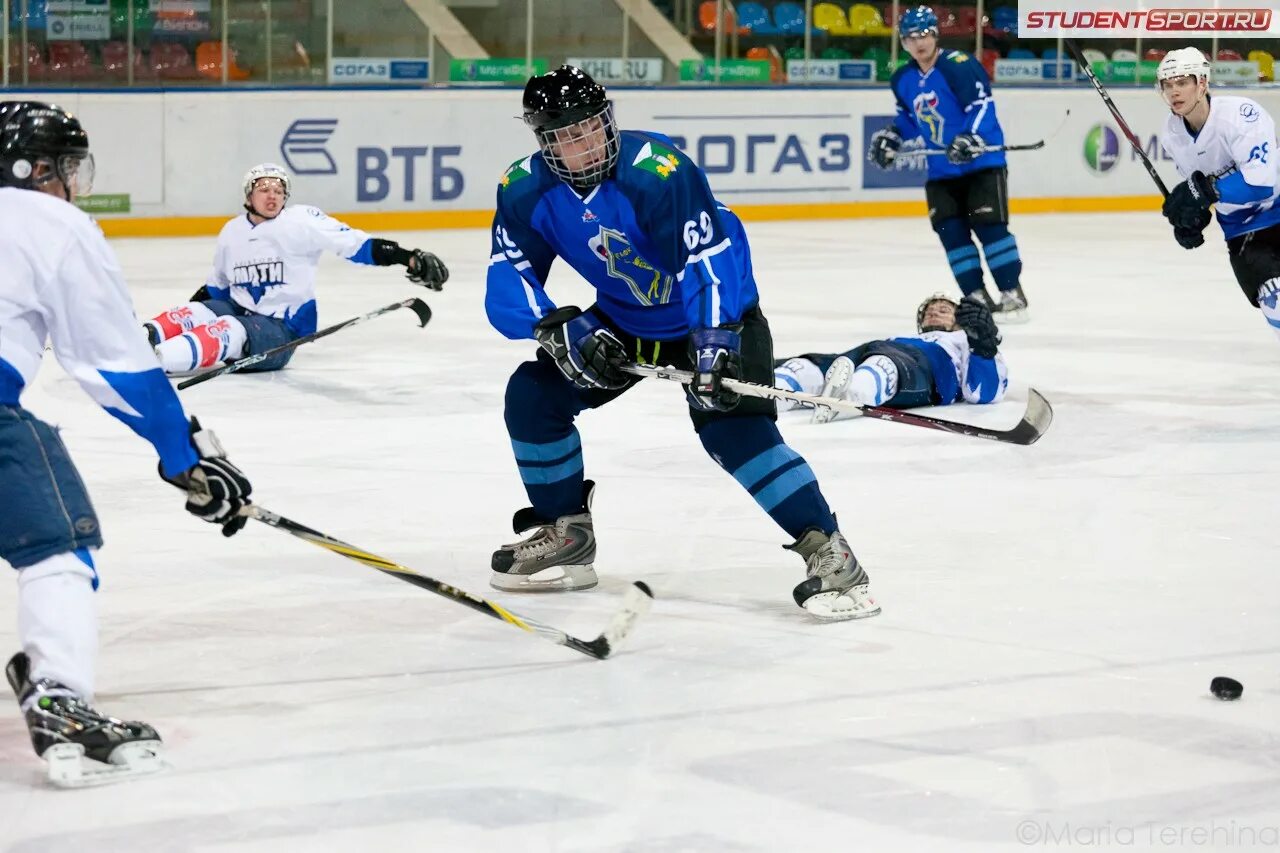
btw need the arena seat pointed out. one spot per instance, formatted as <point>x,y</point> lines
<point>754,17</point>
<point>69,60</point>
<point>209,62</point>
<point>1266,65</point>
<point>830,17</point>
<point>865,19</point>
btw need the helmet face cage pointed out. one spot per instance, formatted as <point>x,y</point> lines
<point>266,170</point>
<point>582,153</point>
<point>41,143</point>
<point>924,308</point>
<point>1177,64</point>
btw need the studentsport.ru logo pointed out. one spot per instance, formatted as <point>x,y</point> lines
<point>1101,149</point>
<point>1047,21</point>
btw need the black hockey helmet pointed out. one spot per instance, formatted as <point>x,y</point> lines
<point>34,133</point>
<point>565,108</point>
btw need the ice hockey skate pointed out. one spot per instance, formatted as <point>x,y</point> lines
<point>556,557</point>
<point>837,587</point>
<point>80,745</point>
<point>1012,308</point>
<point>836,384</point>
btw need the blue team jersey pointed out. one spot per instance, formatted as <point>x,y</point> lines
<point>663,255</point>
<point>951,98</point>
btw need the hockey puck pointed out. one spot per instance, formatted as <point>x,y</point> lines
<point>1226,689</point>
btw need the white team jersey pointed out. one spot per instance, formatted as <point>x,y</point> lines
<point>1239,136</point>
<point>270,268</point>
<point>59,279</point>
<point>977,382</point>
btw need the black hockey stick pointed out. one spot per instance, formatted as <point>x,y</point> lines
<point>1078,55</point>
<point>991,149</point>
<point>414,304</point>
<point>634,604</point>
<point>1034,423</point>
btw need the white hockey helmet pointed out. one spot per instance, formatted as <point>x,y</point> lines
<point>266,170</point>
<point>924,307</point>
<point>1183,62</point>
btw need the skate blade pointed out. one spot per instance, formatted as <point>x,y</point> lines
<point>1012,318</point>
<point>550,579</point>
<point>834,606</point>
<point>69,768</point>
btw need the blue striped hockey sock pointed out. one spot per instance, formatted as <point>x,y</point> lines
<point>752,450</point>
<point>962,254</point>
<point>1001,251</point>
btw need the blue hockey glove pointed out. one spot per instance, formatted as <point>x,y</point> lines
<point>965,148</point>
<point>716,354</point>
<point>884,147</point>
<point>587,353</point>
<point>1190,200</point>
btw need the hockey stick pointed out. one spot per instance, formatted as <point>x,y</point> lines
<point>414,304</point>
<point>1034,423</point>
<point>991,149</point>
<point>634,604</point>
<point>1078,56</point>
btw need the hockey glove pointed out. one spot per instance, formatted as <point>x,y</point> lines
<point>216,489</point>
<point>586,352</point>
<point>716,355</point>
<point>965,148</point>
<point>884,147</point>
<point>1190,200</point>
<point>427,270</point>
<point>975,320</point>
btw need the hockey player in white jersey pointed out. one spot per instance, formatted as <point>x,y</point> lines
<point>953,357</point>
<point>60,280</point>
<point>1225,147</point>
<point>262,290</point>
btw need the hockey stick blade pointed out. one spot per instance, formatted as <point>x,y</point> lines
<point>634,604</point>
<point>414,304</point>
<point>1034,423</point>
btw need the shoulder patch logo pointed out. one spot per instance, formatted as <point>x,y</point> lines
<point>517,170</point>
<point>959,56</point>
<point>657,159</point>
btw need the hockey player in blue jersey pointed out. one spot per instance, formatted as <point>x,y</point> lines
<point>60,281</point>
<point>944,98</point>
<point>953,356</point>
<point>674,286</point>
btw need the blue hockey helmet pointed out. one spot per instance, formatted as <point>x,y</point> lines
<point>918,21</point>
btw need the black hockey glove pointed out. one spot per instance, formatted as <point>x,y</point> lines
<point>586,352</point>
<point>1190,200</point>
<point>975,320</point>
<point>427,270</point>
<point>965,148</point>
<point>201,295</point>
<point>884,147</point>
<point>716,355</point>
<point>216,489</point>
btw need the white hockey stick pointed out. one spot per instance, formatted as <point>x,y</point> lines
<point>1034,423</point>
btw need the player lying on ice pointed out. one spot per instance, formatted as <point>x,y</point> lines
<point>954,357</point>
<point>674,286</point>
<point>262,290</point>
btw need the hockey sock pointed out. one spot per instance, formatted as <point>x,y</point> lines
<point>1269,302</point>
<point>875,380</point>
<point>797,374</point>
<point>751,449</point>
<point>175,321</point>
<point>1001,251</point>
<point>962,254</point>
<point>57,620</point>
<point>204,346</point>
<point>540,406</point>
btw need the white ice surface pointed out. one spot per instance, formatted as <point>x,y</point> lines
<point>1052,615</point>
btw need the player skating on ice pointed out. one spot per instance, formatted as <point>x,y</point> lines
<point>59,280</point>
<point>952,358</point>
<point>1225,147</point>
<point>944,98</point>
<point>262,290</point>
<point>674,286</point>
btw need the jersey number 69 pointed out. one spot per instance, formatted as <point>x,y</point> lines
<point>698,232</point>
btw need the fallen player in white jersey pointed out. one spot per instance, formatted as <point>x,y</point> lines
<point>261,292</point>
<point>1225,147</point>
<point>953,357</point>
